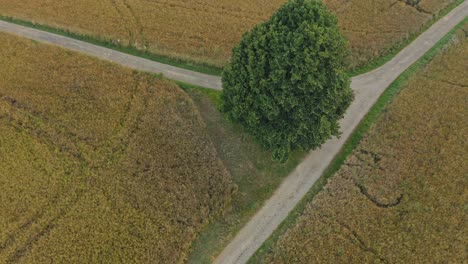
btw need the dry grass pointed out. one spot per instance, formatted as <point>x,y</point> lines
<point>197,30</point>
<point>373,27</point>
<point>205,31</point>
<point>251,169</point>
<point>99,163</point>
<point>401,196</point>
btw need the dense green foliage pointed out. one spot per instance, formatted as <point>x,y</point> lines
<point>402,129</point>
<point>286,83</point>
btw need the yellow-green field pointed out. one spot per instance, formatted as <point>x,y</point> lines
<point>99,164</point>
<point>401,196</point>
<point>205,31</point>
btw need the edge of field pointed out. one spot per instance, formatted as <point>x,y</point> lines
<point>213,70</point>
<point>395,49</point>
<point>184,64</point>
<point>363,127</point>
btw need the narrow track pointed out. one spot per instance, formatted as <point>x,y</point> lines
<point>368,88</point>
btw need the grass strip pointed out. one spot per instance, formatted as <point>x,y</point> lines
<point>363,127</point>
<point>213,95</point>
<point>213,70</point>
<point>185,64</point>
<point>393,51</point>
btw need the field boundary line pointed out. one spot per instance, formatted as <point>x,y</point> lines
<point>352,143</point>
<point>181,75</point>
<point>188,69</point>
<point>128,49</point>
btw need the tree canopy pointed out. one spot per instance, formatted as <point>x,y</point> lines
<point>286,83</point>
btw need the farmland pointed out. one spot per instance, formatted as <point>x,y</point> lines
<point>205,31</point>
<point>99,163</point>
<point>401,195</point>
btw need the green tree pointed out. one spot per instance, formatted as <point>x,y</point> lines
<point>286,83</point>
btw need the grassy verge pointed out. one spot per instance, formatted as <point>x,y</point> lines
<point>189,65</point>
<point>393,51</point>
<point>352,142</point>
<point>213,95</point>
<point>126,167</point>
<point>251,169</point>
<point>209,69</point>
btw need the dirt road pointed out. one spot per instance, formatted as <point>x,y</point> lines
<point>134,62</point>
<point>368,87</point>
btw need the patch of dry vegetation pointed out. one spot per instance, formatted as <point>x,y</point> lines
<point>205,31</point>
<point>251,169</point>
<point>99,163</point>
<point>401,196</point>
<point>197,30</point>
<point>374,27</point>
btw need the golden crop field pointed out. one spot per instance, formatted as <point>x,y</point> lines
<point>401,196</point>
<point>98,163</point>
<point>205,31</point>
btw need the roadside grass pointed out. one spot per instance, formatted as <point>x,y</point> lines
<point>393,51</point>
<point>216,235</point>
<point>376,111</point>
<point>213,95</point>
<point>365,55</point>
<point>203,31</point>
<point>185,64</point>
<point>251,169</point>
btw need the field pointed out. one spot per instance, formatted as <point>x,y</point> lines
<point>99,163</point>
<point>204,31</point>
<point>401,196</point>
